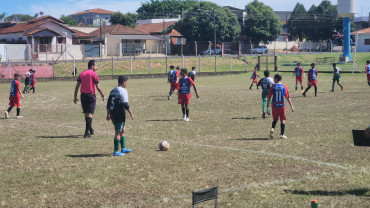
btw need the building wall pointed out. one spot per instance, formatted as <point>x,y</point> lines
<point>12,36</point>
<point>14,52</point>
<point>92,18</point>
<point>361,47</point>
<point>150,21</point>
<point>112,43</point>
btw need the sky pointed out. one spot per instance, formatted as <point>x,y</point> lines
<point>67,7</point>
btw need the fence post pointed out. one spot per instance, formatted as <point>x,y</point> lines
<point>196,48</point>
<point>250,44</point>
<point>274,48</point>
<point>112,68</point>
<point>259,63</point>
<point>53,68</point>
<point>231,66</point>
<point>275,63</point>
<point>101,51</point>
<point>149,63</point>
<point>150,47</point>
<point>310,47</point>
<point>65,53</point>
<point>83,53</point>
<point>245,63</point>
<point>298,47</point>
<point>183,62</point>
<point>130,64</point>
<point>320,46</point>
<point>157,48</point>
<point>74,67</point>
<point>286,47</point>
<point>32,64</point>
<point>267,62</point>
<point>200,64</point>
<point>331,46</point>
<point>46,52</point>
<point>38,51</point>
<point>9,69</point>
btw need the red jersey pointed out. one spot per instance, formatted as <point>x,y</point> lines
<point>254,75</point>
<point>298,71</point>
<point>14,89</point>
<point>88,80</point>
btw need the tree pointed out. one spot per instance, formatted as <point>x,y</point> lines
<point>295,24</point>
<point>128,19</point>
<point>261,23</point>
<point>2,16</point>
<point>19,17</point>
<point>165,8</point>
<point>68,20</point>
<point>197,23</point>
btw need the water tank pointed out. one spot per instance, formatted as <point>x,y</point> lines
<point>346,8</point>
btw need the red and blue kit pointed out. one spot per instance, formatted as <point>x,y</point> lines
<point>312,77</point>
<point>173,79</point>
<point>14,96</point>
<point>254,76</point>
<point>368,72</point>
<point>278,92</point>
<point>33,80</point>
<point>184,90</point>
<point>298,74</point>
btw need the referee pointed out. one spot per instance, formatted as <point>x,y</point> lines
<point>87,80</point>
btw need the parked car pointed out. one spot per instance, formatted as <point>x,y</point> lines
<point>261,49</point>
<point>210,51</point>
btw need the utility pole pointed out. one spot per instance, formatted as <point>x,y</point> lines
<point>214,34</point>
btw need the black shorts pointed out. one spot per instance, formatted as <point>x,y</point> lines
<point>88,102</point>
<point>27,81</point>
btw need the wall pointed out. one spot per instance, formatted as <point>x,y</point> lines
<point>112,45</point>
<point>12,36</point>
<point>150,21</point>
<point>361,47</point>
<point>14,52</point>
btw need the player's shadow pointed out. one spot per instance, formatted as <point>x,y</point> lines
<point>245,118</point>
<point>250,139</point>
<point>165,120</point>
<point>356,192</point>
<point>61,137</point>
<point>91,155</point>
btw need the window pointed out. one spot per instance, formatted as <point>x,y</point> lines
<point>367,41</point>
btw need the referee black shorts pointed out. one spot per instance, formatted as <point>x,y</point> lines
<point>27,81</point>
<point>88,102</point>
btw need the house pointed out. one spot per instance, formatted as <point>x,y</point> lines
<point>94,17</point>
<point>284,17</point>
<point>240,14</point>
<point>123,40</point>
<point>363,39</point>
<point>362,22</point>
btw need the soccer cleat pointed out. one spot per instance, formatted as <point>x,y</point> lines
<point>187,119</point>
<point>6,114</point>
<point>268,112</point>
<point>126,150</point>
<point>332,90</point>
<point>304,95</point>
<point>184,117</point>
<point>92,131</point>
<point>19,116</point>
<point>272,133</point>
<point>87,135</point>
<point>118,153</point>
<point>263,115</point>
<point>283,137</point>
<point>342,88</point>
<point>169,97</point>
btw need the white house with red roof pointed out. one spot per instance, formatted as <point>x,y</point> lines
<point>362,40</point>
<point>94,17</point>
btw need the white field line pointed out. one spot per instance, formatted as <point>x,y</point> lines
<point>214,147</point>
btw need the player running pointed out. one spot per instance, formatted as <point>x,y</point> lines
<point>254,77</point>
<point>336,77</point>
<point>117,105</point>
<point>367,67</point>
<point>299,75</point>
<point>32,82</point>
<point>173,80</point>
<point>193,74</point>
<point>265,83</point>
<point>15,96</point>
<point>278,91</point>
<point>27,80</point>
<point>185,83</point>
<point>312,79</point>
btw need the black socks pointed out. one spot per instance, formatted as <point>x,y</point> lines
<point>88,124</point>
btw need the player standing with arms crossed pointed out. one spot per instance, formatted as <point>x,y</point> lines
<point>185,83</point>
<point>299,75</point>
<point>278,91</point>
<point>88,80</point>
<point>15,96</point>
<point>173,80</point>
<point>312,79</point>
<point>117,105</point>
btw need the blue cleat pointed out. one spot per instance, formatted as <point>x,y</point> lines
<point>126,150</point>
<point>118,153</point>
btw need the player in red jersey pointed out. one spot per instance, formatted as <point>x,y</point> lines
<point>173,78</point>
<point>32,82</point>
<point>15,96</point>
<point>185,83</point>
<point>254,77</point>
<point>299,75</point>
<point>278,91</point>
<point>312,79</point>
<point>367,67</point>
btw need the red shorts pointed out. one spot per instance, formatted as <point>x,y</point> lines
<point>312,83</point>
<point>174,86</point>
<point>298,79</point>
<point>184,99</point>
<point>15,101</point>
<point>278,112</point>
<point>255,80</point>
<point>368,77</point>
<point>33,84</point>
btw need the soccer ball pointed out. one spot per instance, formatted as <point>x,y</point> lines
<point>164,145</point>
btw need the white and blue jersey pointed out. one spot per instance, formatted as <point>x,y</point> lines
<point>368,69</point>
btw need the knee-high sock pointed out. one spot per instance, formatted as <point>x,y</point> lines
<point>18,111</point>
<point>187,113</point>
<point>88,121</point>
<point>339,84</point>
<point>10,108</point>
<point>116,145</point>
<point>282,129</point>
<point>123,142</point>
<point>332,87</point>
<point>274,124</point>
<point>306,90</point>
<point>183,110</point>
<point>315,91</point>
<point>264,106</point>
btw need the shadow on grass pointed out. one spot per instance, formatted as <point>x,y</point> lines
<point>356,192</point>
<point>245,118</point>
<point>60,137</point>
<point>243,139</point>
<point>92,155</point>
<point>165,120</point>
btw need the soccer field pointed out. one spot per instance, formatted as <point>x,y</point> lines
<point>45,162</point>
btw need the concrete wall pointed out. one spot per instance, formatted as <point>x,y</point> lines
<point>12,36</point>
<point>361,47</point>
<point>14,52</point>
<point>113,45</point>
<point>282,45</point>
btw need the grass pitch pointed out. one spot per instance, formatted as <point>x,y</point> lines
<point>45,162</point>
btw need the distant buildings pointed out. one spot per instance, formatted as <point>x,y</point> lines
<point>94,17</point>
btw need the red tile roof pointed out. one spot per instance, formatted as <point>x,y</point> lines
<point>96,11</point>
<point>155,27</point>
<point>45,17</point>
<point>79,34</point>
<point>366,30</point>
<point>41,29</point>
<point>119,30</point>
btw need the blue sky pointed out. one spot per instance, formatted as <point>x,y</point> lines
<point>67,7</point>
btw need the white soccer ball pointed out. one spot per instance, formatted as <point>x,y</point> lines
<point>164,145</point>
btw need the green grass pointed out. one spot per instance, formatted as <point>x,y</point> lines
<point>141,66</point>
<point>45,162</point>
